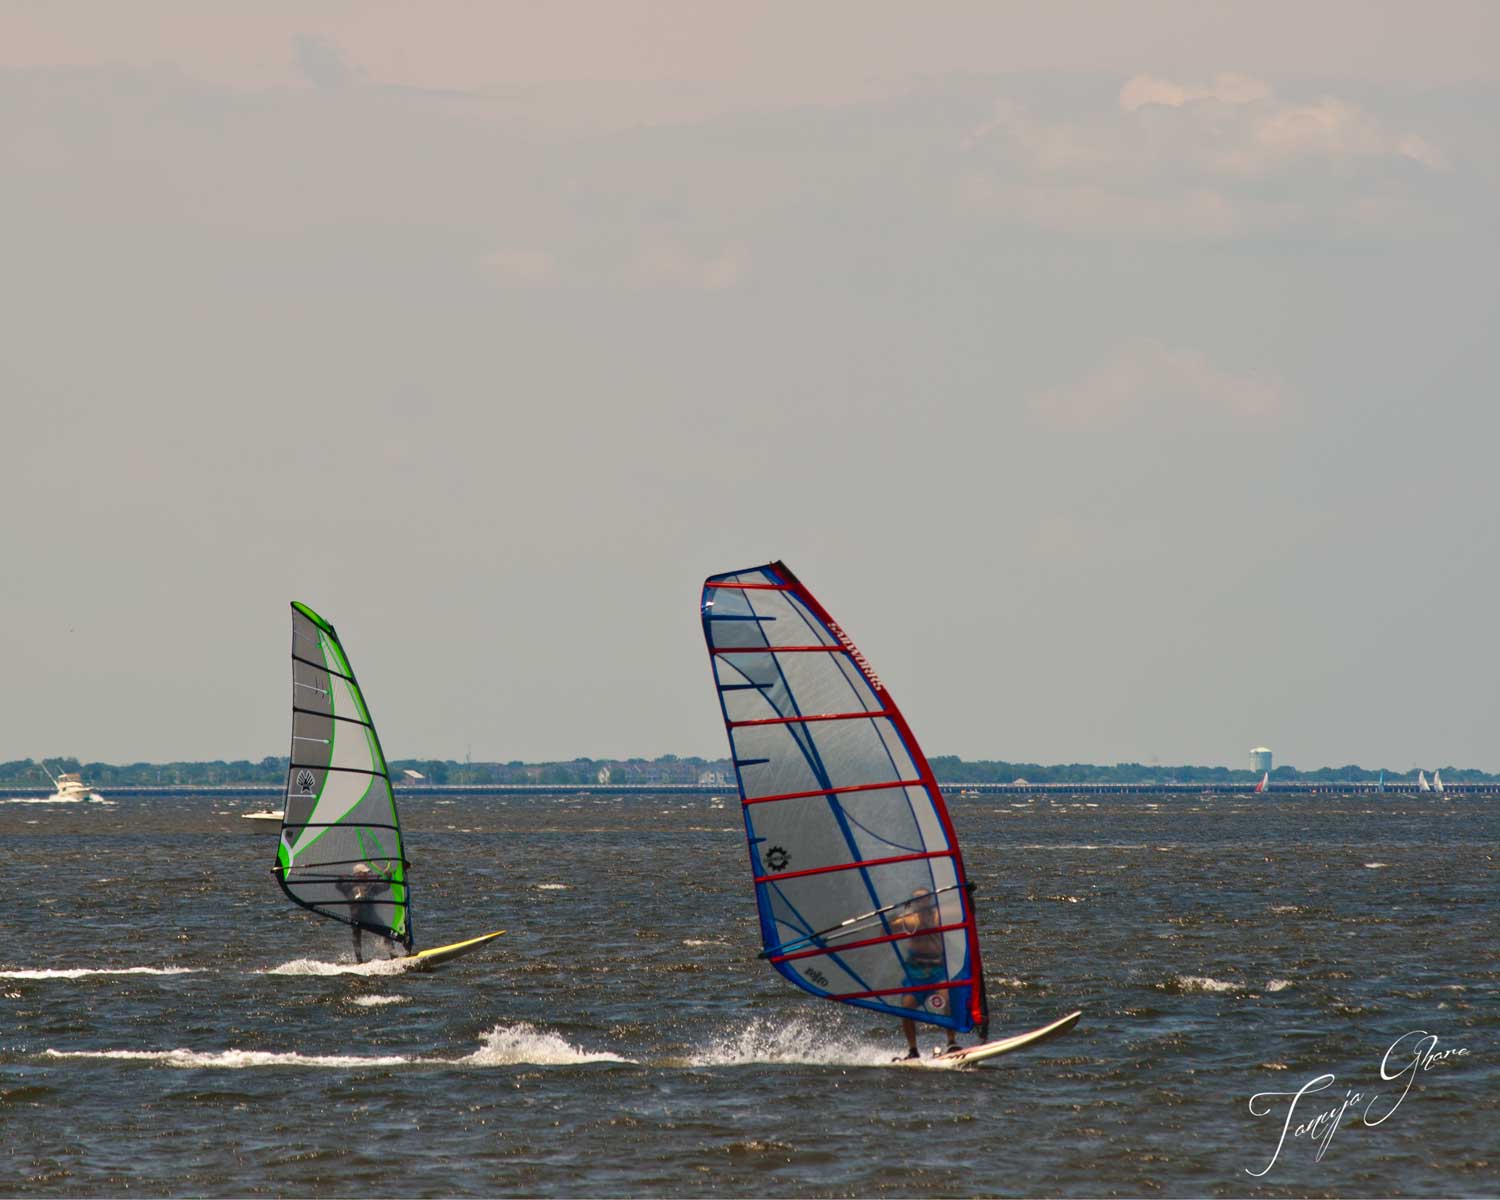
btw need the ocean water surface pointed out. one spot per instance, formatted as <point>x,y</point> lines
<point>171,1025</point>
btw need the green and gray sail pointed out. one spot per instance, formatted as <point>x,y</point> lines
<point>339,829</point>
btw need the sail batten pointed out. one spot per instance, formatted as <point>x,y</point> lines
<point>851,866</point>
<point>341,852</point>
<point>323,666</point>
<point>858,878</point>
<point>834,791</point>
<point>858,716</point>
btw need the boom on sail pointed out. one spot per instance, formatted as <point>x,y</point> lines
<point>340,835</point>
<point>858,877</point>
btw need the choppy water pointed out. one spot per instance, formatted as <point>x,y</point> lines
<point>170,1025</point>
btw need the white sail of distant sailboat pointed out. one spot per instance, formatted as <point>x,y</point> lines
<point>1265,781</point>
<point>1437,781</point>
<point>1422,784</point>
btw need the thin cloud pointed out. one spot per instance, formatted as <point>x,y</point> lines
<point>1260,134</point>
<point>1145,383</point>
<point>321,62</point>
<point>1097,210</point>
<point>1187,161</point>
<point>651,264</point>
<point>521,267</point>
<point>1143,90</point>
<point>667,265</point>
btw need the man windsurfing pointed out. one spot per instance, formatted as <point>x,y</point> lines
<point>362,889</point>
<point>924,960</point>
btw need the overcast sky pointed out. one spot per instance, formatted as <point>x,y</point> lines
<point>1123,377</point>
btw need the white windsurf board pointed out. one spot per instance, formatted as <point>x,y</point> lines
<point>974,1055</point>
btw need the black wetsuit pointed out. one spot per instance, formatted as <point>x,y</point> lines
<point>364,891</point>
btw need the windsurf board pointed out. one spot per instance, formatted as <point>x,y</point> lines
<point>974,1055</point>
<point>426,960</point>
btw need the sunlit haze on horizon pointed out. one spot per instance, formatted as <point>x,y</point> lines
<point>1123,379</point>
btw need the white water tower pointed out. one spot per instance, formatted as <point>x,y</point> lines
<point>1260,759</point>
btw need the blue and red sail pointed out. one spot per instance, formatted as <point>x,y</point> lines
<point>858,876</point>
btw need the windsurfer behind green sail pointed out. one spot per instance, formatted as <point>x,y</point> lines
<point>363,888</point>
<point>341,852</point>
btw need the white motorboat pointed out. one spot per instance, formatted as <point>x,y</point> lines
<point>69,788</point>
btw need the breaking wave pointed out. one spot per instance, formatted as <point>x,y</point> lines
<point>505,1045</point>
<point>235,1060</point>
<point>80,972</point>
<point>313,966</point>
<point>1200,983</point>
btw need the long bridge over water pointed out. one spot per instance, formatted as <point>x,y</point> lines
<point>954,791</point>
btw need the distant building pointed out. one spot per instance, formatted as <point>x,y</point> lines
<point>1260,759</point>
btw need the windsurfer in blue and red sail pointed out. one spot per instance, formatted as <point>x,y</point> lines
<point>925,965</point>
<point>858,877</point>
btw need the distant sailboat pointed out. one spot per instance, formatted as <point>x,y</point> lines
<point>1437,781</point>
<point>1380,787</point>
<point>1265,781</point>
<point>1422,784</point>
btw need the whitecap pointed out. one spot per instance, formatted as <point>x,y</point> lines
<point>380,1001</point>
<point>1375,866</point>
<point>235,1060</point>
<point>506,1045</point>
<point>502,1046</point>
<point>796,1041</point>
<point>1203,983</point>
<point>80,972</point>
<point>551,887</point>
<point>312,966</point>
<point>1278,985</point>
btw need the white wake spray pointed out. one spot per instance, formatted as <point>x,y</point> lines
<point>506,1045</point>
<point>313,966</point>
<point>81,972</point>
<point>796,1041</point>
<point>237,1060</point>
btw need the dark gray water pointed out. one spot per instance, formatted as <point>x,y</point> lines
<point>170,1025</point>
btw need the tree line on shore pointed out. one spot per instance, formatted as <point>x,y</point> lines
<point>671,769</point>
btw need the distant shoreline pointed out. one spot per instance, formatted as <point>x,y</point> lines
<point>671,775</point>
<point>710,775</point>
